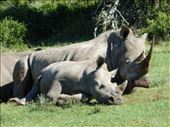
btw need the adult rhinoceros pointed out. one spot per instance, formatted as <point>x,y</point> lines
<point>120,48</point>
<point>8,61</point>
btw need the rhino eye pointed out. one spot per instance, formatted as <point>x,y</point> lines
<point>128,61</point>
<point>102,86</point>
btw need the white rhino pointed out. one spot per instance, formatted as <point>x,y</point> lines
<point>67,77</point>
<point>120,49</point>
<point>8,61</point>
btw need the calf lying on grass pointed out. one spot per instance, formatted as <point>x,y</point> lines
<point>89,77</point>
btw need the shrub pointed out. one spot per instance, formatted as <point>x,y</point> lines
<point>12,32</point>
<point>159,26</point>
<point>59,20</point>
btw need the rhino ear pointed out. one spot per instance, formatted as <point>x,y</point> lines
<point>124,32</point>
<point>113,73</point>
<point>100,61</point>
<point>123,86</point>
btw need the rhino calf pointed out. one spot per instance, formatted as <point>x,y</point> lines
<point>89,77</point>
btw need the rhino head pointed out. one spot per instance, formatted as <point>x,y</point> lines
<point>100,84</point>
<point>131,61</point>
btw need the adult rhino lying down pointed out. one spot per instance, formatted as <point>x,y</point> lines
<point>120,49</point>
<point>89,77</point>
<point>8,61</point>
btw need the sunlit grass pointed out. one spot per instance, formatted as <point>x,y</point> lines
<point>146,107</point>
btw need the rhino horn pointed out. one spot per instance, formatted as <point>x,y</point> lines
<point>123,86</point>
<point>146,61</point>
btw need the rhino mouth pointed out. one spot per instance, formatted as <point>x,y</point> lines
<point>112,101</point>
<point>142,82</point>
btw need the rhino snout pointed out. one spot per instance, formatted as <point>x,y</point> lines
<point>143,82</point>
<point>111,100</point>
<point>116,101</point>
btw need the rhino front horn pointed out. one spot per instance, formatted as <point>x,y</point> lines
<point>146,61</point>
<point>123,86</point>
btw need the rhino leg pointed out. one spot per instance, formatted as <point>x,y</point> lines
<point>22,78</point>
<point>53,91</point>
<point>31,95</point>
<point>79,97</point>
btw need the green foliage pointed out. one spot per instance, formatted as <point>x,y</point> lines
<point>149,16</point>
<point>12,33</point>
<point>159,69</point>
<point>61,20</point>
<point>160,26</point>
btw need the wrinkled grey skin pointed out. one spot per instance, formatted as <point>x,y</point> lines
<point>8,60</point>
<point>120,48</point>
<point>68,77</point>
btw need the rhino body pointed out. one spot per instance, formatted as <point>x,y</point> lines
<point>88,77</point>
<point>8,61</point>
<point>120,49</point>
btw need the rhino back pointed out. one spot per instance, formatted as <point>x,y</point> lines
<point>75,52</point>
<point>68,73</point>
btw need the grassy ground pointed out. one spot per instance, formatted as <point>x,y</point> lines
<point>144,108</point>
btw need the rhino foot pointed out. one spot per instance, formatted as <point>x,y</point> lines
<point>86,98</point>
<point>61,102</point>
<point>14,99</point>
<point>18,101</point>
<point>21,102</point>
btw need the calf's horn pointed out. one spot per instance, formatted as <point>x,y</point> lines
<point>123,86</point>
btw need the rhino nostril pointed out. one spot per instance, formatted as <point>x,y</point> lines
<point>111,99</point>
<point>119,101</point>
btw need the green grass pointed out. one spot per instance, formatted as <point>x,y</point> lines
<point>143,108</point>
<point>160,65</point>
<point>146,107</point>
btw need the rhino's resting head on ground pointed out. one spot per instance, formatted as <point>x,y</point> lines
<point>120,49</point>
<point>68,77</point>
